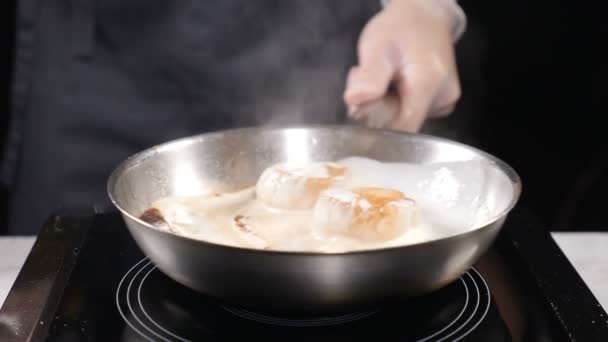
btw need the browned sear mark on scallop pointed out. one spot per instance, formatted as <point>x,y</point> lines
<point>238,220</point>
<point>154,217</point>
<point>335,171</point>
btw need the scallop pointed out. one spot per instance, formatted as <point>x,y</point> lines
<point>199,217</point>
<point>246,234</point>
<point>286,186</point>
<point>370,213</point>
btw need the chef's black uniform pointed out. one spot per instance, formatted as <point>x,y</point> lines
<point>98,80</point>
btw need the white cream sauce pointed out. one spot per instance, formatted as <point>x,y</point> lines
<point>449,196</point>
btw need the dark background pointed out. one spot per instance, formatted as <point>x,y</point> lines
<point>534,77</point>
<point>8,40</point>
<point>544,76</point>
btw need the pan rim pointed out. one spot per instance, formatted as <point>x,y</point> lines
<point>139,157</point>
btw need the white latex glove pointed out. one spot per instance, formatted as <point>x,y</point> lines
<point>408,46</point>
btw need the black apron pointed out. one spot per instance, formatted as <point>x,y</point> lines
<point>99,80</point>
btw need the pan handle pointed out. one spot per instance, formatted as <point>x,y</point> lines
<point>378,113</point>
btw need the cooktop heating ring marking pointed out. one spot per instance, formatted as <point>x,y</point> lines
<point>464,308</point>
<point>143,309</point>
<point>131,308</point>
<point>472,313</point>
<point>122,314</point>
<point>485,312</point>
<point>314,322</point>
<point>343,319</point>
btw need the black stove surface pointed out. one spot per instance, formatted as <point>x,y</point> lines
<point>156,308</point>
<point>86,280</point>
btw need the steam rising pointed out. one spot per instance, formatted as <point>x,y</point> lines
<point>297,72</point>
<point>221,64</point>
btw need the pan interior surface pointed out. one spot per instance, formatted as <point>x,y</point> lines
<point>234,159</point>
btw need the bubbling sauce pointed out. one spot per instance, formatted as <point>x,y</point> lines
<point>351,204</point>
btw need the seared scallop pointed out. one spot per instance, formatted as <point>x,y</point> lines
<point>200,217</point>
<point>246,233</point>
<point>369,213</point>
<point>284,186</point>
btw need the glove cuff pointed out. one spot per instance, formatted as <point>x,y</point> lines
<point>459,18</point>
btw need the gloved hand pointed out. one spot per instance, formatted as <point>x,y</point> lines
<point>408,47</point>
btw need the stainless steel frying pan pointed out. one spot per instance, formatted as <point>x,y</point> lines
<point>296,281</point>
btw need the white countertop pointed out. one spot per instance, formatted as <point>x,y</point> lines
<point>588,252</point>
